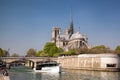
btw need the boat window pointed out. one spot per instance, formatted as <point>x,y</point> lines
<point>111,65</point>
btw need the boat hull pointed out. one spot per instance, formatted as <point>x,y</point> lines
<point>53,69</point>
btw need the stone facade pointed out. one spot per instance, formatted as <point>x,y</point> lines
<point>106,62</point>
<point>70,39</point>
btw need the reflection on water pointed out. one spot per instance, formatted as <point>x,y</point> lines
<point>91,75</point>
<point>65,75</point>
<point>34,76</point>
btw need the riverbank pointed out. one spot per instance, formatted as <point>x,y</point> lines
<point>100,62</point>
<point>4,77</point>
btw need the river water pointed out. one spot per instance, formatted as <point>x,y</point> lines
<point>26,74</point>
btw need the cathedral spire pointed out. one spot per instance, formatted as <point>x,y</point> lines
<point>71,23</point>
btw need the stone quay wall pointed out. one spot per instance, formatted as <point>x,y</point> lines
<point>105,62</point>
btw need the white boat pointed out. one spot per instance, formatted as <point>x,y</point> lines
<point>47,66</point>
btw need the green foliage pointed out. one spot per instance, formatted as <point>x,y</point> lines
<point>38,53</point>
<point>70,52</point>
<point>60,50</point>
<point>48,46</point>
<point>99,49</point>
<point>2,52</point>
<point>117,50</point>
<point>31,52</point>
<point>56,54</point>
<point>51,50</point>
<point>82,51</point>
<point>6,53</point>
<point>15,55</point>
<point>41,53</point>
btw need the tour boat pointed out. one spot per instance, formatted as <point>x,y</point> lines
<point>47,66</point>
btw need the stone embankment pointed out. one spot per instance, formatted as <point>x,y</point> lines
<point>102,62</point>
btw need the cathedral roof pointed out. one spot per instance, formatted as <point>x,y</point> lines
<point>77,35</point>
<point>64,37</point>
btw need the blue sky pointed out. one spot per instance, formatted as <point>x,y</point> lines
<point>26,24</point>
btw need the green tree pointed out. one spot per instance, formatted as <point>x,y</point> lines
<point>99,49</point>
<point>50,49</point>
<point>82,51</point>
<point>117,50</point>
<point>41,53</point>
<point>6,53</point>
<point>14,55</point>
<point>31,52</point>
<point>2,52</point>
<point>48,46</point>
<point>60,50</point>
<point>70,52</point>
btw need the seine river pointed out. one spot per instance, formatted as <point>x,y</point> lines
<point>23,74</point>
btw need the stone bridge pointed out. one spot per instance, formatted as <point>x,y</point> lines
<point>29,61</point>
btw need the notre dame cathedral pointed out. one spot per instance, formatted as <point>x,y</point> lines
<point>70,39</point>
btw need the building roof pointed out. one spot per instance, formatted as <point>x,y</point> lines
<point>64,37</point>
<point>77,35</point>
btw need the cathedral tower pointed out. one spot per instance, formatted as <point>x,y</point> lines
<point>55,32</point>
